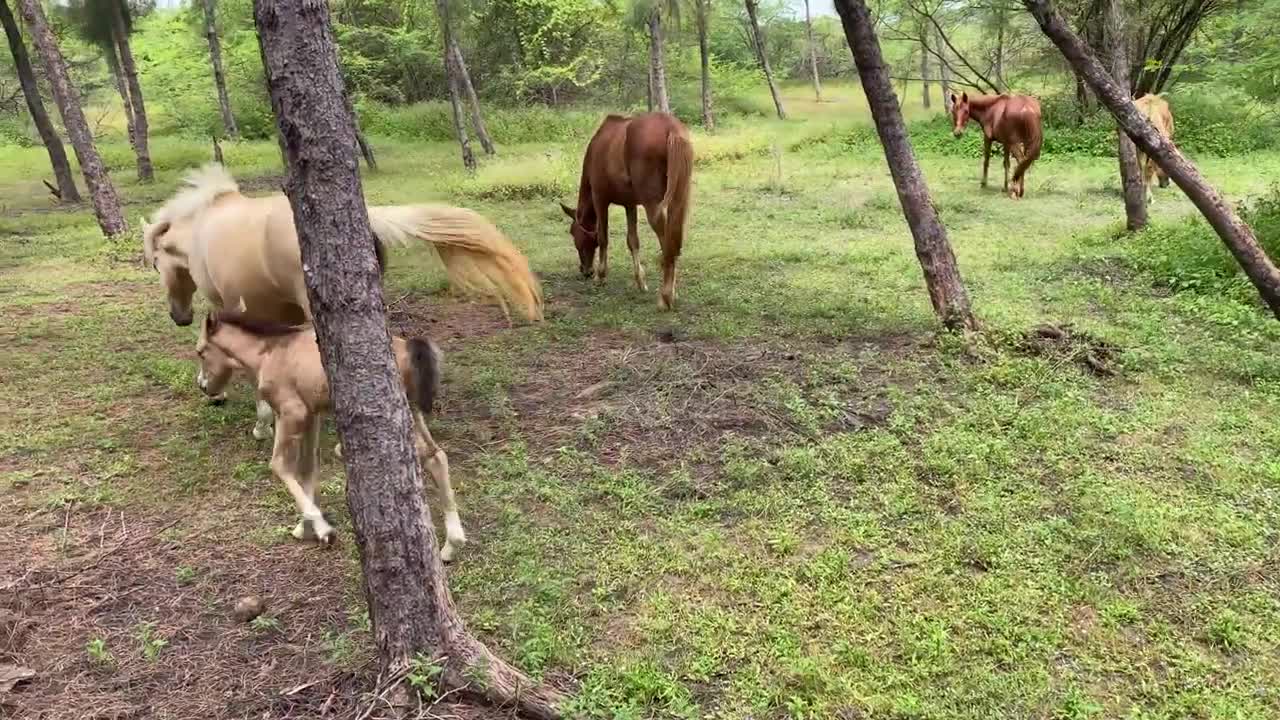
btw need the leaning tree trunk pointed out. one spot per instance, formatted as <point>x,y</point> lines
<point>67,192</point>
<point>451,79</point>
<point>813,54</point>
<point>473,101</point>
<point>1131,177</point>
<point>129,69</point>
<point>657,63</point>
<point>941,274</point>
<point>758,36</point>
<point>106,205</point>
<point>409,603</point>
<point>704,56</point>
<point>1237,236</point>
<point>215,59</point>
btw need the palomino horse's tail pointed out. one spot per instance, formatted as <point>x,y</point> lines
<point>478,258</point>
<point>674,209</point>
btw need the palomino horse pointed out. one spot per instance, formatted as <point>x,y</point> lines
<point>1156,109</point>
<point>285,363</point>
<point>1011,120</point>
<point>242,253</point>
<point>643,160</point>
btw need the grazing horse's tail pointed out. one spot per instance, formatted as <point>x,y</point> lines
<point>478,258</point>
<point>674,208</point>
<point>1030,151</point>
<point>424,361</point>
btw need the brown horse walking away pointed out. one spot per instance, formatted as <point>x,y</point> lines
<point>1156,109</point>
<point>1011,120</point>
<point>643,160</point>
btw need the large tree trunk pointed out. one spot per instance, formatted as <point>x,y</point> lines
<point>67,191</point>
<point>704,55</point>
<point>262,55</point>
<point>451,78</point>
<point>215,59</point>
<point>129,69</point>
<point>1237,236</point>
<point>813,56</point>
<point>473,101</point>
<point>762,52</point>
<point>409,603</point>
<point>1131,179</point>
<point>106,205</point>
<point>657,63</point>
<point>941,274</point>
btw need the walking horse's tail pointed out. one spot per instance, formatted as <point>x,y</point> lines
<point>477,257</point>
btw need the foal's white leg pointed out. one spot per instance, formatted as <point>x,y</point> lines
<point>266,418</point>
<point>291,430</point>
<point>438,465</point>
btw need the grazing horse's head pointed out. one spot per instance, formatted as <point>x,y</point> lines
<point>166,257</point>
<point>584,240</point>
<point>216,367</point>
<point>959,113</point>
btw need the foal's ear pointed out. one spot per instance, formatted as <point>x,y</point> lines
<point>567,211</point>
<point>954,99</point>
<point>964,97</point>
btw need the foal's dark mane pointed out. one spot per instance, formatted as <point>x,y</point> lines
<point>253,326</point>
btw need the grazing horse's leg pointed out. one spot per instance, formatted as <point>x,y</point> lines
<point>437,463</point>
<point>602,236</point>
<point>670,251</point>
<point>633,244</point>
<point>986,158</point>
<point>1006,166</point>
<point>266,418</point>
<point>291,428</point>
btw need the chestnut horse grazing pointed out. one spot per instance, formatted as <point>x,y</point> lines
<point>643,160</point>
<point>1156,109</point>
<point>1011,120</point>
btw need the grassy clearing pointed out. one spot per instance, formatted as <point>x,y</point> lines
<point>790,499</point>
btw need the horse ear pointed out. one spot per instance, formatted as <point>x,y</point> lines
<point>567,211</point>
<point>953,98</point>
<point>964,97</point>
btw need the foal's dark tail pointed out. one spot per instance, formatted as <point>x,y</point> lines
<point>424,359</point>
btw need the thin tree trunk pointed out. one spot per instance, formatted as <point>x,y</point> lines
<point>1082,99</point>
<point>657,61</point>
<point>1237,236</point>
<point>763,53</point>
<point>67,191</point>
<point>941,274</point>
<point>113,66</point>
<point>649,85</point>
<point>215,59</point>
<point>813,56</point>
<point>999,68</point>
<point>704,55</point>
<point>129,69</point>
<point>1131,179</point>
<point>944,71</point>
<point>106,205</point>
<point>473,101</point>
<point>409,603</point>
<point>924,70</point>
<point>451,78</point>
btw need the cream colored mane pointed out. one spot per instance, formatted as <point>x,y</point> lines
<point>204,185</point>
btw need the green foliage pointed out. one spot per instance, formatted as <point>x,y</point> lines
<point>431,122</point>
<point>98,653</point>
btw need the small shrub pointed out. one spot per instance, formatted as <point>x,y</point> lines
<point>98,653</point>
<point>1226,631</point>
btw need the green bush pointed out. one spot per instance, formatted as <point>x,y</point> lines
<point>13,131</point>
<point>432,122</point>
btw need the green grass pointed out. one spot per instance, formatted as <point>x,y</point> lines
<point>810,507</point>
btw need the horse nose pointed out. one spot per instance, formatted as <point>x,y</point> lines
<point>180,318</point>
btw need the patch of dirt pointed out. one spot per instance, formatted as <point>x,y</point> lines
<point>445,322</point>
<point>1065,344</point>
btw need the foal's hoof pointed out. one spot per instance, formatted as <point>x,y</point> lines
<point>321,532</point>
<point>263,432</point>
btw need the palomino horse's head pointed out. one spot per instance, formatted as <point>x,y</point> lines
<point>959,113</point>
<point>170,260</point>
<point>216,367</point>
<point>584,240</point>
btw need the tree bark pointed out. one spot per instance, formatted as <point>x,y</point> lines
<point>451,78</point>
<point>106,205</point>
<point>944,71</point>
<point>657,63</point>
<point>129,69</point>
<point>262,55</point>
<point>924,70</point>
<point>941,274</point>
<point>1237,236</point>
<point>813,57</point>
<point>473,101</point>
<point>999,67</point>
<point>112,56</point>
<point>763,53</point>
<point>409,603</point>
<point>704,55</point>
<point>215,59</point>
<point>67,191</point>
<point>1131,179</point>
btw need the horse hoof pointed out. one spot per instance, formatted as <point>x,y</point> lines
<point>218,400</point>
<point>262,433</point>
<point>321,532</point>
<point>337,451</point>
